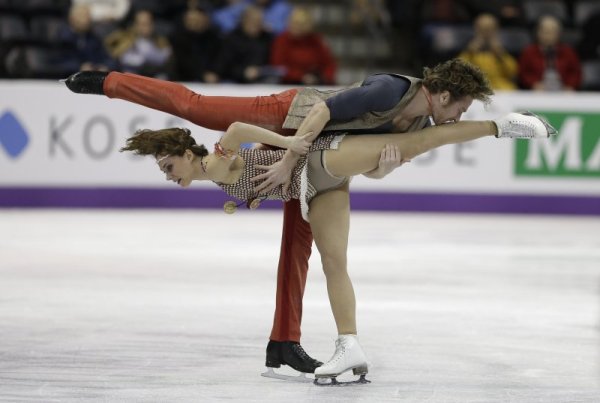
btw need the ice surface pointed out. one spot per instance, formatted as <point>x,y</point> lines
<point>177,306</point>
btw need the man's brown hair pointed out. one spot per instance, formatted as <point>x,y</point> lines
<point>459,78</point>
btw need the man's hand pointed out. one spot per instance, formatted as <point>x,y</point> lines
<point>277,174</point>
<point>281,172</point>
<point>389,160</point>
<point>299,144</point>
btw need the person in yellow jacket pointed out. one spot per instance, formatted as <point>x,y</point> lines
<point>485,50</point>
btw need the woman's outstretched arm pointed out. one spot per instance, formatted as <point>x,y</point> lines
<point>239,133</point>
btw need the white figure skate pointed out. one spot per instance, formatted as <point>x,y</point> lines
<point>348,356</point>
<point>523,125</point>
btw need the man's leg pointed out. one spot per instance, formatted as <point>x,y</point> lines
<point>296,242</point>
<point>212,112</point>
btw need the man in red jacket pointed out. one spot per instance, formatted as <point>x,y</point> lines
<point>303,53</point>
<point>549,65</point>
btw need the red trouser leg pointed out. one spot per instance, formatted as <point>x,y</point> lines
<point>217,113</point>
<point>212,112</point>
<point>296,243</point>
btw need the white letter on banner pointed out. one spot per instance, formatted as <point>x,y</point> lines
<point>568,142</point>
<point>593,162</point>
<point>87,137</point>
<point>56,140</point>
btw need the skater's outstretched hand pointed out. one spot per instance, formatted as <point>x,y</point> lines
<point>280,173</point>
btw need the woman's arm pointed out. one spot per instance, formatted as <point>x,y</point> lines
<point>239,133</point>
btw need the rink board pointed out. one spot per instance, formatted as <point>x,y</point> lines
<point>60,149</point>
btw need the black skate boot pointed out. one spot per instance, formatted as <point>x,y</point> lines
<point>86,82</point>
<point>293,354</point>
<point>273,354</point>
<point>289,353</point>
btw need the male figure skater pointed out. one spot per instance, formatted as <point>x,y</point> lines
<point>382,103</point>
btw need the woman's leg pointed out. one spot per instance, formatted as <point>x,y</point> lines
<point>329,216</point>
<point>360,153</point>
<point>212,112</point>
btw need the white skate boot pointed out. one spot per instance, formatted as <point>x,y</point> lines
<point>523,125</point>
<point>348,356</point>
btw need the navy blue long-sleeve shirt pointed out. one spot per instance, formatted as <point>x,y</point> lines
<point>378,93</point>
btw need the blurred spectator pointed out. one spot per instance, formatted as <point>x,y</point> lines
<point>549,65</point>
<point>486,51</point>
<point>139,49</point>
<point>244,54</point>
<point>370,11</point>
<point>226,18</point>
<point>508,12</point>
<point>275,14</point>
<point>84,50</point>
<point>106,10</point>
<point>195,47</point>
<point>303,53</point>
<point>443,11</point>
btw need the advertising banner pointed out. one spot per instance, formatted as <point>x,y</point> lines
<point>59,149</point>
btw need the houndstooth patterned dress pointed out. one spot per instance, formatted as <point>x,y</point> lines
<point>300,187</point>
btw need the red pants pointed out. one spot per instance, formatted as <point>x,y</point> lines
<point>217,113</point>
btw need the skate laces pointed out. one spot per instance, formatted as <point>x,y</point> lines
<point>300,351</point>
<point>525,128</point>
<point>340,350</point>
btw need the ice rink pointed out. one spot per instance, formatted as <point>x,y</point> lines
<point>177,306</point>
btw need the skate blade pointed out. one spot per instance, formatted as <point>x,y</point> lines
<point>549,128</point>
<point>332,381</point>
<point>302,378</point>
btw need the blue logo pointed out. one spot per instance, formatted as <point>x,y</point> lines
<point>13,136</point>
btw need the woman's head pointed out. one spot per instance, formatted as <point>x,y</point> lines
<point>453,86</point>
<point>175,151</point>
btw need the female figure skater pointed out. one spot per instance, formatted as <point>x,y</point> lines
<point>320,181</point>
<point>382,103</point>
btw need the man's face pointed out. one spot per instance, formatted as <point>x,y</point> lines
<point>445,109</point>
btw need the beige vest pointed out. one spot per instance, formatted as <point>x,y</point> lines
<point>307,97</point>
